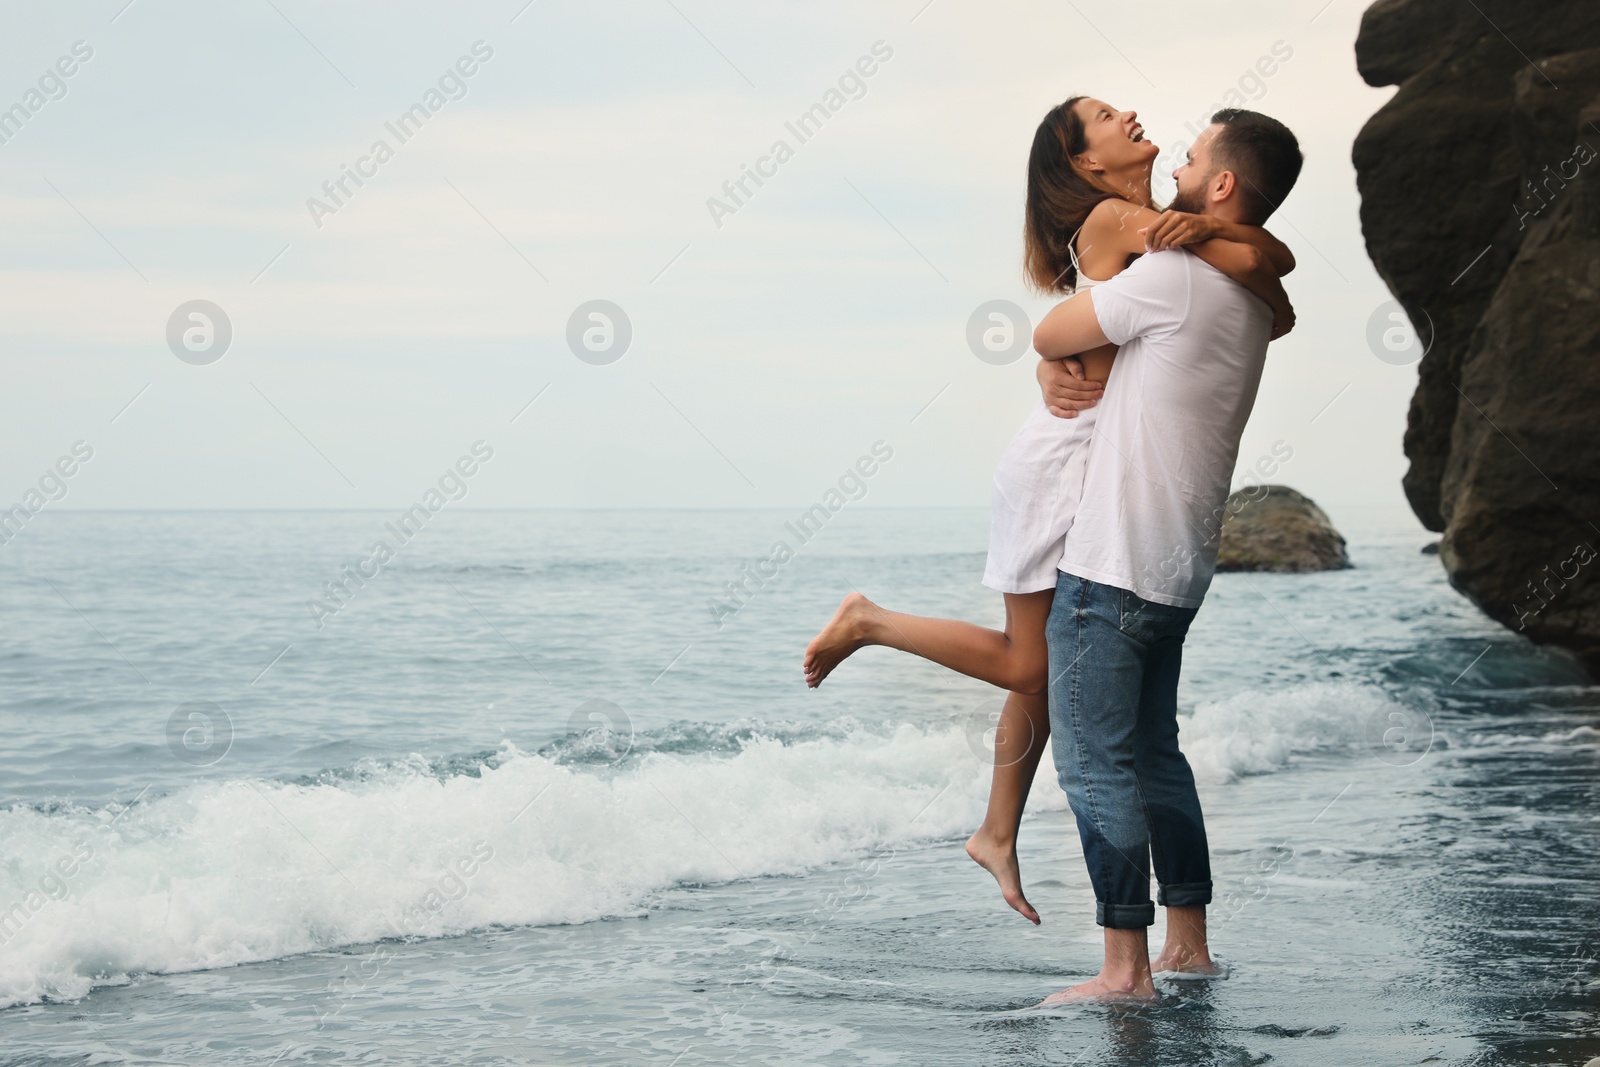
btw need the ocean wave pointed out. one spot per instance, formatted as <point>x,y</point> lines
<point>241,870</point>
<point>238,870</point>
<point>1256,732</point>
<point>1582,736</point>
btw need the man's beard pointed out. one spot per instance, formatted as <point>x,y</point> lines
<point>1192,203</point>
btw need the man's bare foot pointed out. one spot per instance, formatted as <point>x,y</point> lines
<point>1000,860</point>
<point>1185,953</point>
<point>845,633</point>
<point>1099,990</point>
<point>1188,965</point>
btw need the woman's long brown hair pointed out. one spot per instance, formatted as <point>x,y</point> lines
<point>1060,197</point>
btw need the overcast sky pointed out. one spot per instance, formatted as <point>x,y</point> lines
<point>377,336</point>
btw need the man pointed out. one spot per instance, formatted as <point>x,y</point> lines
<point>1143,547</point>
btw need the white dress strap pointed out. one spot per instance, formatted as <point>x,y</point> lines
<point>1084,281</point>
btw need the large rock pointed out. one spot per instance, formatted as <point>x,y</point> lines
<point>1480,187</point>
<point>1274,528</point>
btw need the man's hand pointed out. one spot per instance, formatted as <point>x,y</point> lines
<point>1066,391</point>
<point>1177,228</point>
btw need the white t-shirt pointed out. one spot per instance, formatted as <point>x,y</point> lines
<point>1193,346</point>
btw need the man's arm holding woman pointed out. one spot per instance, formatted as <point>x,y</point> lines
<point>1070,328</point>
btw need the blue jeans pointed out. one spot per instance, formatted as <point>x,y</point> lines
<point>1114,662</point>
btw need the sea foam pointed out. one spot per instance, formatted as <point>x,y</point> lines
<point>228,871</point>
<point>1255,732</point>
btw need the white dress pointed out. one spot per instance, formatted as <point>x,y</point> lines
<point>1037,486</point>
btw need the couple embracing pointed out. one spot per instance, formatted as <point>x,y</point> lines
<point>1103,531</point>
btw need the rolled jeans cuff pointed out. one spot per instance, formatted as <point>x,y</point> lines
<point>1124,916</point>
<point>1184,895</point>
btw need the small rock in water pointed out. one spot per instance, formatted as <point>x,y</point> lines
<point>1274,528</point>
<point>1431,549</point>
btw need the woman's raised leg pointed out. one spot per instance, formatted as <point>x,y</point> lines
<point>1016,659</point>
<point>1013,659</point>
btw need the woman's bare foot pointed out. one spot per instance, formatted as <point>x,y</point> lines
<point>1099,990</point>
<point>845,633</point>
<point>1000,860</point>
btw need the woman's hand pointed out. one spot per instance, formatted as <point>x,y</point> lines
<point>1282,316</point>
<point>1177,228</point>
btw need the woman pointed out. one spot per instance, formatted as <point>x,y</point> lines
<point>1089,212</point>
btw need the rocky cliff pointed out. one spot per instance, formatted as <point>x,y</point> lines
<point>1480,190</point>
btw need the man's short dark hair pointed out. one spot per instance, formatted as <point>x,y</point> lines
<point>1263,155</point>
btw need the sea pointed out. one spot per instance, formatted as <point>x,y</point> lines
<point>547,787</point>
